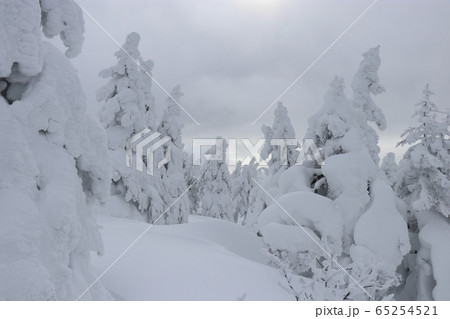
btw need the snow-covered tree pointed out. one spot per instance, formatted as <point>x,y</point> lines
<point>191,176</point>
<point>257,202</point>
<point>424,177</point>
<point>237,171</point>
<point>347,211</point>
<point>389,167</point>
<point>128,109</point>
<point>279,149</point>
<point>54,165</point>
<point>423,182</point>
<point>365,83</point>
<point>172,173</point>
<point>243,186</point>
<point>327,129</point>
<point>129,104</point>
<point>215,189</point>
<point>341,116</point>
<point>280,152</point>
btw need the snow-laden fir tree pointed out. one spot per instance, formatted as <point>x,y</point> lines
<point>365,84</point>
<point>346,208</point>
<point>327,129</point>
<point>279,149</point>
<point>237,171</point>
<point>389,167</point>
<point>238,197</point>
<point>191,177</point>
<point>129,104</point>
<point>243,186</point>
<point>54,165</point>
<point>257,202</point>
<point>279,152</point>
<point>127,110</point>
<point>424,178</point>
<point>424,183</point>
<point>215,186</point>
<point>172,173</point>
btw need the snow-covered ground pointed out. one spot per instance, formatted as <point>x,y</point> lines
<point>206,259</point>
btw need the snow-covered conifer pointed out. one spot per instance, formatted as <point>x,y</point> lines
<point>215,186</point>
<point>243,186</point>
<point>389,168</point>
<point>365,84</point>
<point>343,206</point>
<point>423,182</point>
<point>257,202</point>
<point>328,128</point>
<point>191,177</point>
<point>278,150</point>
<point>424,171</point>
<point>172,173</point>
<point>128,109</point>
<point>54,165</point>
<point>129,104</point>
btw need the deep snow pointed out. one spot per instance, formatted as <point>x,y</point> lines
<point>206,259</point>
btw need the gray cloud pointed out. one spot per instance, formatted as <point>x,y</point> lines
<point>233,58</point>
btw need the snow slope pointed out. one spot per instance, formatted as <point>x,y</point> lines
<point>206,259</point>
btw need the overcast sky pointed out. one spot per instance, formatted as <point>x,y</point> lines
<point>233,58</point>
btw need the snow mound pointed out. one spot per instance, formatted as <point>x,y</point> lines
<point>20,35</point>
<point>349,173</point>
<point>348,176</point>
<point>434,238</point>
<point>206,259</point>
<point>294,179</point>
<point>309,210</point>
<point>64,17</point>
<point>291,238</point>
<point>382,229</point>
<point>20,32</point>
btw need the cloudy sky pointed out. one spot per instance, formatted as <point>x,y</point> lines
<point>234,58</point>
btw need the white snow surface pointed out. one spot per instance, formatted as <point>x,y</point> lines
<point>382,229</point>
<point>348,176</point>
<point>206,259</point>
<point>296,178</point>
<point>435,250</point>
<point>21,36</point>
<point>311,211</point>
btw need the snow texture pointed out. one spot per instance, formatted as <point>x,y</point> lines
<point>54,164</point>
<point>382,229</point>
<point>205,259</point>
<point>433,260</point>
